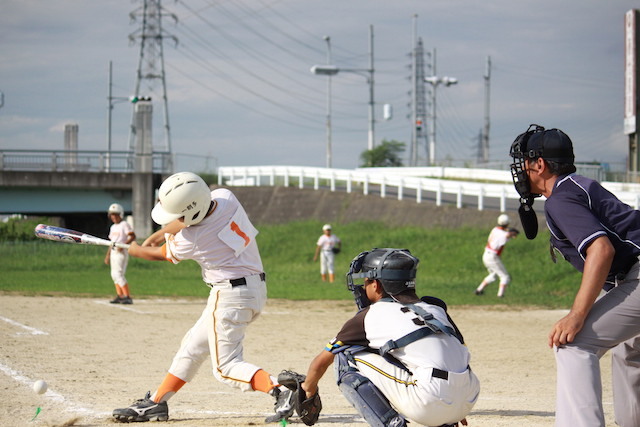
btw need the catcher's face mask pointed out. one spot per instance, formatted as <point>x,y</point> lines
<point>374,269</point>
<point>355,271</point>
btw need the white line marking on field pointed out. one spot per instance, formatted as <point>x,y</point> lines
<point>122,307</point>
<point>50,394</point>
<point>32,331</point>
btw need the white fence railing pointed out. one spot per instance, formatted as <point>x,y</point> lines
<point>388,180</point>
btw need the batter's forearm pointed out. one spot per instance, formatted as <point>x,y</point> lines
<point>150,253</point>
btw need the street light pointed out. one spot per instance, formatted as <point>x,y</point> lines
<point>328,40</point>
<point>435,81</point>
<point>368,73</point>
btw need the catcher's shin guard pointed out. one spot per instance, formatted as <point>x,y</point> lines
<point>365,396</point>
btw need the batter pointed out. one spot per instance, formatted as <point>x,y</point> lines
<point>211,228</point>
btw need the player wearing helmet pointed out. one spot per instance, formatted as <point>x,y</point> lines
<point>400,357</point>
<point>600,236</point>
<point>213,229</point>
<point>491,258</point>
<point>117,258</point>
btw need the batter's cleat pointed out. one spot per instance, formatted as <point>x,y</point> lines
<point>116,300</point>
<point>126,300</point>
<point>143,410</point>
<point>284,405</point>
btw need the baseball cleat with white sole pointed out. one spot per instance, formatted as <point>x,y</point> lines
<point>143,410</point>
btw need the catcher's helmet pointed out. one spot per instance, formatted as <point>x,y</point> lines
<point>503,220</point>
<point>183,194</point>
<point>116,208</point>
<point>394,268</point>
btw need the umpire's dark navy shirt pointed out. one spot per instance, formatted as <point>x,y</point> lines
<point>580,210</point>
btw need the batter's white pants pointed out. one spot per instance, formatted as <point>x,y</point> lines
<point>612,323</point>
<point>326,262</point>
<point>422,398</point>
<point>219,333</point>
<point>496,268</point>
<point>118,260</point>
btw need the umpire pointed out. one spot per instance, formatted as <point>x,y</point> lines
<point>600,236</point>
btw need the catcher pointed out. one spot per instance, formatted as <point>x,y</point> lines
<point>399,358</point>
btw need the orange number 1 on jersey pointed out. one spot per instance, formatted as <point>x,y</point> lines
<point>236,229</point>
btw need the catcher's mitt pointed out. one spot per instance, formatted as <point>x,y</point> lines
<point>308,409</point>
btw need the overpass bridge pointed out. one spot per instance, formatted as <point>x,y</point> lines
<point>80,185</point>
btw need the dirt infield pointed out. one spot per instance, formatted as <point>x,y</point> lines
<point>97,357</point>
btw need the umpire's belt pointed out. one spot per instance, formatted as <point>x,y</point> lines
<point>243,281</point>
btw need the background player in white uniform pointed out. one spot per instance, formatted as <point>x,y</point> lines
<point>211,228</point>
<point>117,258</point>
<point>399,357</point>
<point>498,238</point>
<point>327,246</point>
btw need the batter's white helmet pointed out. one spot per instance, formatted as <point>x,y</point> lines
<point>183,194</point>
<point>116,208</point>
<point>503,220</point>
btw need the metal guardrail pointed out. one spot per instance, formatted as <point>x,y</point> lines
<point>383,178</point>
<point>84,161</point>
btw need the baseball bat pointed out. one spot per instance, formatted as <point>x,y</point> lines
<point>60,234</point>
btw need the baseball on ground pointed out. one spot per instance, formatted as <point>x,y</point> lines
<point>40,386</point>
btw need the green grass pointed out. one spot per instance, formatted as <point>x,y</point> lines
<point>450,266</point>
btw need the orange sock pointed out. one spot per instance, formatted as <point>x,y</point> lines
<point>118,290</point>
<point>261,381</point>
<point>125,290</point>
<point>170,385</point>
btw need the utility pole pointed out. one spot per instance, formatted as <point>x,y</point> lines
<point>151,59</point>
<point>487,124</point>
<point>418,99</point>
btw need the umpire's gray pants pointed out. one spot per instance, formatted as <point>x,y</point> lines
<point>612,323</point>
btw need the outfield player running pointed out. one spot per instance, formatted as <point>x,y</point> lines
<point>400,357</point>
<point>326,247</point>
<point>600,236</point>
<point>498,238</point>
<point>212,228</point>
<point>117,258</point>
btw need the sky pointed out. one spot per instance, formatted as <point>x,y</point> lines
<point>240,91</point>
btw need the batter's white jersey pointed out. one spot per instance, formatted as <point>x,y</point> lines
<point>223,243</point>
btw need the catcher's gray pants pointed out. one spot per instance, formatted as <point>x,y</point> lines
<point>612,323</point>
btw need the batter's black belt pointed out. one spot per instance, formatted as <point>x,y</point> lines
<point>243,281</point>
<point>439,373</point>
